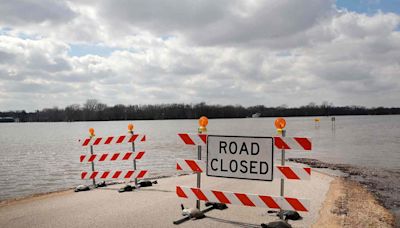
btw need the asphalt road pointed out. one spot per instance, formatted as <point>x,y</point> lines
<point>158,206</point>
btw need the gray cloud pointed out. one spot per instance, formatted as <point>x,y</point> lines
<point>24,12</point>
<point>6,57</point>
<point>227,52</point>
<point>218,22</point>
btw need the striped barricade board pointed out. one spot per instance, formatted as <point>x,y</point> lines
<point>190,165</point>
<point>287,143</point>
<point>293,143</point>
<point>94,141</point>
<point>129,174</point>
<point>285,172</point>
<point>292,173</point>
<point>244,199</point>
<point>112,157</point>
<point>193,139</point>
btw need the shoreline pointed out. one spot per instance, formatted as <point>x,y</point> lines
<point>195,118</point>
<point>381,184</point>
<point>348,204</point>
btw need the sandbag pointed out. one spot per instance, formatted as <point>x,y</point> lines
<point>289,214</point>
<point>276,224</point>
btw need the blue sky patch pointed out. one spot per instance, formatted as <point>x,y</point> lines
<point>91,49</point>
<point>4,30</point>
<point>370,7</point>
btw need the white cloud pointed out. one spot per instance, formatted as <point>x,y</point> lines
<point>228,52</point>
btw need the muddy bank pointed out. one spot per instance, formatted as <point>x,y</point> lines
<point>348,204</point>
<point>382,183</point>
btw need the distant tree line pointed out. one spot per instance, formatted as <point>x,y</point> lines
<point>94,110</point>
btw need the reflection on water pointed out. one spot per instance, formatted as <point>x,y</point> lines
<point>42,157</point>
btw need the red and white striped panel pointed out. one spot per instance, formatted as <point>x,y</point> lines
<point>130,174</point>
<point>113,140</point>
<point>244,199</point>
<point>293,143</point>
<point>196,166</point>
<point>292,173</point>
<point>112,157</point>
<point>193,139</point>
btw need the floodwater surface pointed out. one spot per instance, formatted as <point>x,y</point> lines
<point>44,157</point>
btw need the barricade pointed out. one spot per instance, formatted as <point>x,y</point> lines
<point>286,172</point>
<point>91,158</point>
<point>243,199</point>
<point>281,171</point>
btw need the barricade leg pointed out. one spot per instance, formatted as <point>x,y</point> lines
<point>94,180</point>
<point>134,161</point>
<point>282,180</point>
<point>198,175</point>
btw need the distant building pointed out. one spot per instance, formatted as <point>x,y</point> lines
<point>7,119</point>
<point>256,115</point>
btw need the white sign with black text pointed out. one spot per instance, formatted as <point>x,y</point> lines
<point>241,157</point>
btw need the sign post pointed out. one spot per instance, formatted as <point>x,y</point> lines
<point>203,122</point>
<point>91,131</point>
<point>198,175</point>
<point>280,124</point>
<point>130,130</point>
<point>282,180</point>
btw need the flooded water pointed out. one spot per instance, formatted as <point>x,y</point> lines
<point>44,157</point>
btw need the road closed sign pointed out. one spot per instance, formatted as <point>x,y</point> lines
<point>240,157</point>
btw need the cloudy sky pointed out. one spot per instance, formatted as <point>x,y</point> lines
<point>57,53</point>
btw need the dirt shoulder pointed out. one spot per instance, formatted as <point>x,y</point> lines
<point>382,183</point>
<point>348,204</point>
